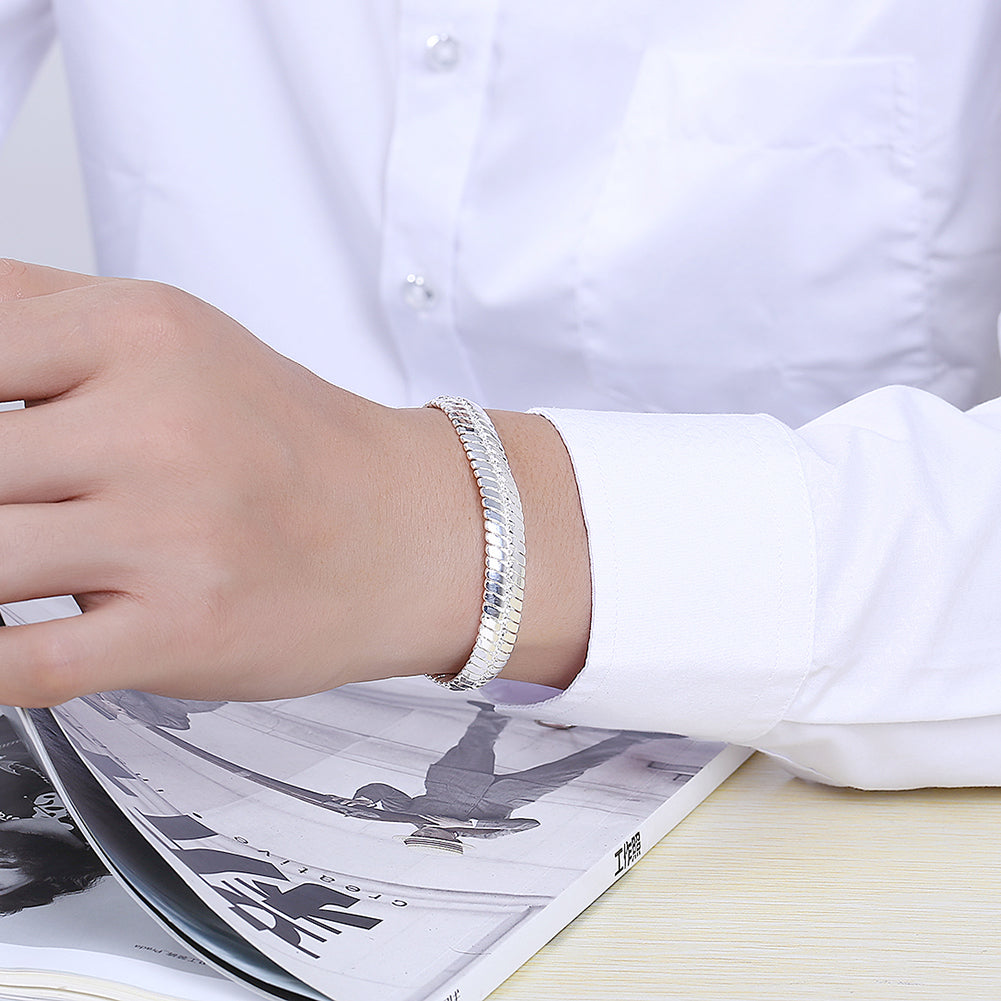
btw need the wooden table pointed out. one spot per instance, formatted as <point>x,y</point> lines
<point>775,888</point>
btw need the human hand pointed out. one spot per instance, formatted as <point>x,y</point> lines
<point>233,527</point>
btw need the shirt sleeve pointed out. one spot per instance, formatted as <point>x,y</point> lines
<point>828,595</point>
<point>26,32</point>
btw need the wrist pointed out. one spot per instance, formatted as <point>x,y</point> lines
<point>436,517</point>
<point>420,549</point>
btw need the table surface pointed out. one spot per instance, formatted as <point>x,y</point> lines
<point>777,888</point>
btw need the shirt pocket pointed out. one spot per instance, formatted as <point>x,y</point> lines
<point>756,244</point>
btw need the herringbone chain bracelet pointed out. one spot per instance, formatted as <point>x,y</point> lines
<point>504,533</point>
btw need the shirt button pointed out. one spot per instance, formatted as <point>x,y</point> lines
<point>442,52</point>
<point>417,294</point>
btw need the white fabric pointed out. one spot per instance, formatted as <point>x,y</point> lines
<point>735,206</point>
<point>828,596</point>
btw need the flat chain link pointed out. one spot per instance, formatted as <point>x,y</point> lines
<point>504,536</point>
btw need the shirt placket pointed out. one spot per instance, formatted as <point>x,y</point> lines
<point>444,56</point>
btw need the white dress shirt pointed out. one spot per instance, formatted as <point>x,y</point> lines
<point>625,212</point>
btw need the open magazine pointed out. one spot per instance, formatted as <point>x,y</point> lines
<point>385,840</point>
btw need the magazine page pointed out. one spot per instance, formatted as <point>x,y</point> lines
<point>65,926</point>
<point>145,875</point>
<point>384,840</point>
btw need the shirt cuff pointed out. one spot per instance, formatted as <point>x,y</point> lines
<point>702,570</point>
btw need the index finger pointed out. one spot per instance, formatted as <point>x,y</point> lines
<point>43,314</point>
<point>20,280</point>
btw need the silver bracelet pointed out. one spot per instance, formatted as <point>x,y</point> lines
<point>504,531</point>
